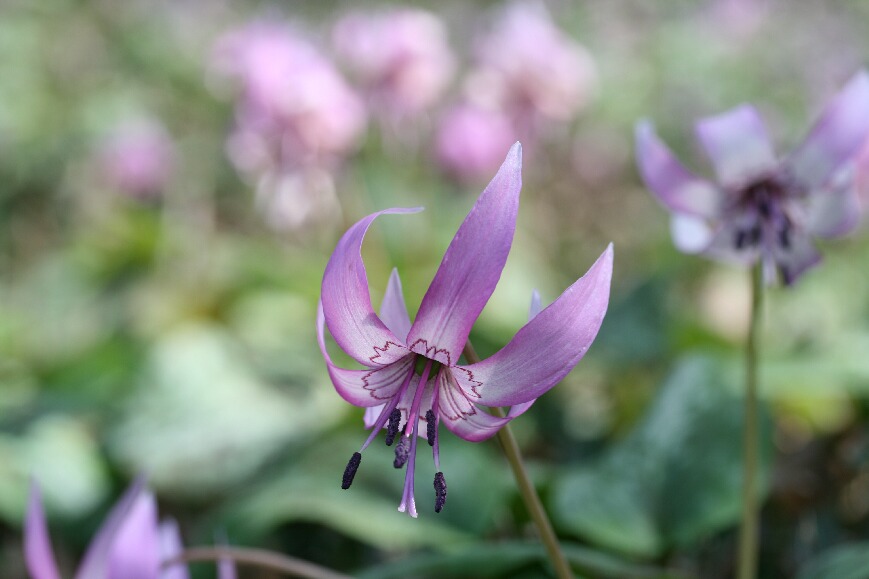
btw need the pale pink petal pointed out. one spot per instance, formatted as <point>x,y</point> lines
<point>363,387</point>
<point>347,304</point>
<point>544,350</point>
<point>135,550</point>
<point>836,137</point>
<point>674,186</point>
<point>393,310</point>
<point>38,554</point>
<point>690,234</point>
<point>171,547</point>
<point>470,268</point>
<point>96,559</point>
<point>738,146</point>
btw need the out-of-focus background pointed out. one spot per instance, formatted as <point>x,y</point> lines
<point>174,176</point>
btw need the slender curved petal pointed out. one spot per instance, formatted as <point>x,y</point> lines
<point>393,310</point>
<point>673,185</point>
<point>544,350</point>
<point>96,559</point>
<point>38,554</point>
<point>171,547</point>
<point>836,136</point>
<point>737,144</point>
<point>363,387</point>
<point>470,268</point>
<point>347,303</point>
<point>135,550</point>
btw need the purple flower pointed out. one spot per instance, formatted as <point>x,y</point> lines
<point>130,544</point>
<point>402,56</point>
<point>763,208</point>
<point>413,370</point>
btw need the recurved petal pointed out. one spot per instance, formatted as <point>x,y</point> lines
<point>393,310</point>
<point>676,188</point>
<point>835,210</point>
<point>836,136</point>
<point>135,548</point>
<point>738,145</point>
<point>470,268</point>
<point>170,547</point>
<point>544,350</point>
<point>347,303</point>
<point>363,387</point>
<point>96,559</point>
<point>38,554</point>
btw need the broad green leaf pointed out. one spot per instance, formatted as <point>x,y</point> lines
<point>842,562</point>
<point>675,478</point>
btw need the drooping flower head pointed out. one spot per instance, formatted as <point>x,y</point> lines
<point>413,373</point>
<point>763,208</point>
<point>401,56</point>
<point>130,544</point>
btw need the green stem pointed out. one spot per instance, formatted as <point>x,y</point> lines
<point>526,488</point>
<point>262,558</point>
<point>748,530</point>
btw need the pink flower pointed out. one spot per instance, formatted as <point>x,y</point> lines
<point>294,104</point>
<point>471,141</point>
<point>413,371</point>
<point>130,544</point>
<point>137,159</point>
<point>401,56</point>
<point>531,68</point>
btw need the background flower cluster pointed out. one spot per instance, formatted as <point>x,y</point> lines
<point>174,176</point>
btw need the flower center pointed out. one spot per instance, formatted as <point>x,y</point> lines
<point>414,389</point>
<point>762,215</point>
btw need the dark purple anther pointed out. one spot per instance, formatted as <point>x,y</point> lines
<point>784,236</point>
<point>402,451</point>
<point>440,486</point>
<point>350,471</point>
<point>431,429</point>
<point>393,426</point>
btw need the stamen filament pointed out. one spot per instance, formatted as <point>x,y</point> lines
<point>413,415</point>
<point>435,410</point>
<point>387,410</point>
<point>407,500</point>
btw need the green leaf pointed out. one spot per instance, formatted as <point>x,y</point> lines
<point>842,562</point>
<point>499,560</point>
<point>675,478</point>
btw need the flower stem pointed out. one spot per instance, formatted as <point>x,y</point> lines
<point>526,488</point>
<point>258,557</point>
<point>748,530</point>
